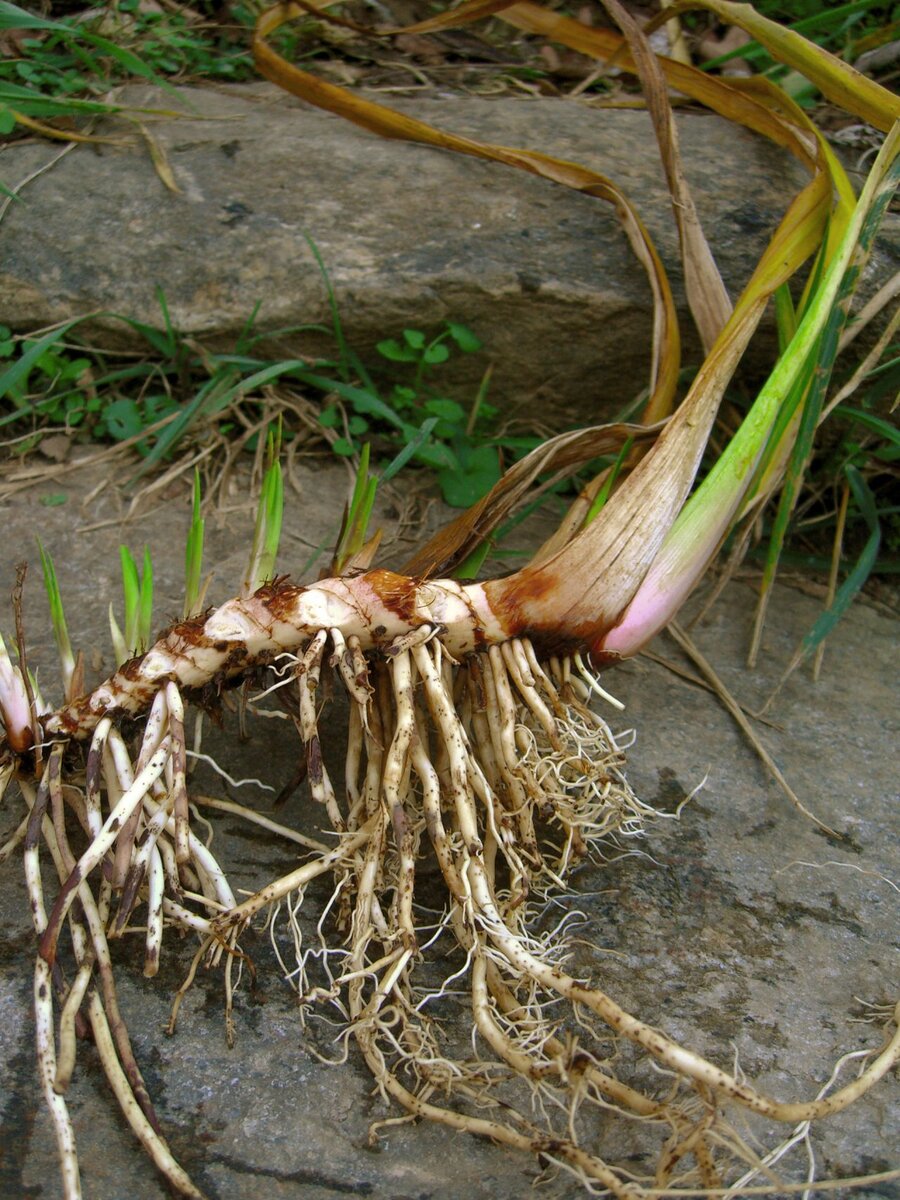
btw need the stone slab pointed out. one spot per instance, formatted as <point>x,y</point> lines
<point>410,235</point>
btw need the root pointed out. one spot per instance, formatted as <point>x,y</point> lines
<point>491,771</point>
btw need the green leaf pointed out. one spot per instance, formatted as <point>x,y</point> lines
<point>34,104</point>
<point>395,352</point>
<point>269,515</point>
<point>54,499</point>
<point>123,419</point>
<point>876,424</point>
<point>343,447</point>
<point>402,397</point>
<point>411,448</point>
<point>857,577</point>
<point>193,552</point>
<point>145,611</point>
<point>50,362</point>
<point>131,587</point>
<point>157,339</point>
<point>414,338</point>
<point>18,371</point>
<point>57,616</point>
<point>437,455</point>
<point>357,515</point>
<point>363,400</point>
<point>14,17</point>
<point>330,418</point>
<point>611,477</point>
<point>785,316</point>
<point>462,488</point>
<point>446,410</point>
<point>72,369</point>
<point>464,337</point>
<point>436,353</point>
<point>472,563</point>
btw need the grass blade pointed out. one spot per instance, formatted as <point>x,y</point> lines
<point>17,371</point>
<point>851,586</point>
<point>608,483</point>
<point>355,524</point>
<point>58,618</point>
<point>834,78</point>
<point>338,328</point>
<point>409,450</point>
<point>131,588</point>
<point>193,554</point>
<point>800,455</point>
<point>267,530</point>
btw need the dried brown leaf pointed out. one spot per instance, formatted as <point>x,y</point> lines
<point>707,297</point>
<point>160,160</point>
<point>558,457</point>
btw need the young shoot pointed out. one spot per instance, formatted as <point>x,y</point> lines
<point>193,555</point>
<point>269,513</point>
<point>352,539</point>
<point>58,620</point>
<point>137,589</point>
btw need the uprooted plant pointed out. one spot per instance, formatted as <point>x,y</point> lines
<point>471,745</point>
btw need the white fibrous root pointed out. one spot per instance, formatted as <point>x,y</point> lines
<point>476,778</point>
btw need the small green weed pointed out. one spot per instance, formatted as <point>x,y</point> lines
<point>58,68</point>
<point>452,441</point>
<point>847,30</point>
<point>180,45</point>
<point>49,383</point>
<point>64,68</point>
<point>56,387</point>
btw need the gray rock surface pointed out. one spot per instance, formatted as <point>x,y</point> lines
<point>409,234</point>
<point>740,928</point>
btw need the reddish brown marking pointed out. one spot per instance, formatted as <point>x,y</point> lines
<point>601,659</point>
<point>234,659</point>
<point>314,761</point>
<point>129,898</point>
<point>398,593</point>
<point>92,770</point>
<point>514,602</point>
<point>279,597</point>
<point>190,631</point>
<point>20,744</point>
<point>479,636</point>
<point>476,679</point>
